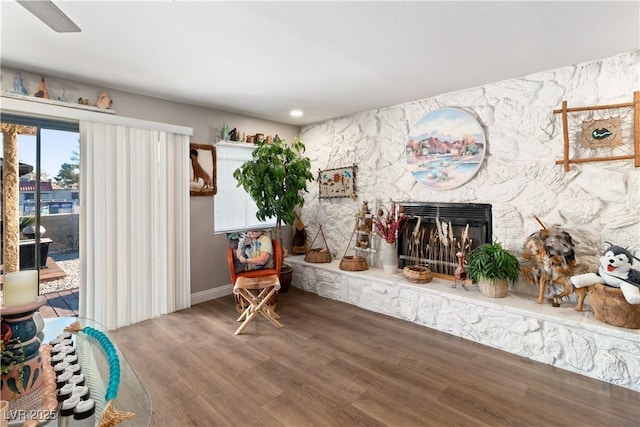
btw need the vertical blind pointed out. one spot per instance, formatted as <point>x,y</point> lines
<point>134,223</point>
<point>233,208</point>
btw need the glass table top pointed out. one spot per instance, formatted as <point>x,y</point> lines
<point>131,395</point>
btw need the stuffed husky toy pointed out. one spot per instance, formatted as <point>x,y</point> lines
<point>615,270</point>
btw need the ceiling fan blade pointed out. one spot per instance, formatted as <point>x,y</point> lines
<point>51,15</point>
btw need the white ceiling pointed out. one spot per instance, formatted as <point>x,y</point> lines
<point>328,59</point>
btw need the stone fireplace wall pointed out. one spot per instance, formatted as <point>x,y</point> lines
<point>594,202</point>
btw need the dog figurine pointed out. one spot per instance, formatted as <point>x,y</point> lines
<point>549,259</point>
<point>616,271</point>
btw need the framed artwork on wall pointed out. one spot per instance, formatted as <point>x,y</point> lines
<point>445,148</point>
<point>600,133</point>
<point>338,182</point>
<point>202,178</point>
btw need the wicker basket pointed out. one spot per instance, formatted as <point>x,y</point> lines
<point>353,263</point>
<point>318,255</point>
<point>417,273</point>
<point>493,288</point>
<point>610,306</point>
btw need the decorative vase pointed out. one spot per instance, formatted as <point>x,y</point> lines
<point>24,375</point>
<point>389,257</point>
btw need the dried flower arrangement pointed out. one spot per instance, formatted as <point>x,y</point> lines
<point>389,225</point>
<point>440,248</point>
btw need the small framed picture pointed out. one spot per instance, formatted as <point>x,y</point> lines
<point>202,158</point>
<point>338,182</point>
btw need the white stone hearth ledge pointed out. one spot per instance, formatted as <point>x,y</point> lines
<point>560,337</point>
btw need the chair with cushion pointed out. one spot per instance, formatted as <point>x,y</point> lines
<point>256,291</point>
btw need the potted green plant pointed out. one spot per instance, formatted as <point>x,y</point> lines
<point>275,180</point>
<point>492,266</point>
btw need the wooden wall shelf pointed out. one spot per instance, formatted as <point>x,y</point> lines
<point>58,103</point>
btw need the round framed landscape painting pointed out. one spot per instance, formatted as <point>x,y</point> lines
<point>445,148</point>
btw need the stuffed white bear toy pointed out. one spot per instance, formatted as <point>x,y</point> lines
<point>615,271</point>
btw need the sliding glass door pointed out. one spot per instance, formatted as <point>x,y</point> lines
<point>47,198</point>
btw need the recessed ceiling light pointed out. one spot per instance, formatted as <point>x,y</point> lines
<point>296,113</point>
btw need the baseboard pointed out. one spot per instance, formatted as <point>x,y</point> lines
<point>209,294</point>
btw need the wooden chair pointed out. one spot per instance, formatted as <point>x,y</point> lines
<point>256,291</point>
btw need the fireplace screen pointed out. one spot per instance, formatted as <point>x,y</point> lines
<point>437,232</point>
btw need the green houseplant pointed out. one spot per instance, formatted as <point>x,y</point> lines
<point>492,266</point>
<point>275,179</point>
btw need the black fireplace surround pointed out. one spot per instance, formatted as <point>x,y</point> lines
<point>476,215</point>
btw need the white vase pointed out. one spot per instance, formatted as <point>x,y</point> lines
<point>388,257</point>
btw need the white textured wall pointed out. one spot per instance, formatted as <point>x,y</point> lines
<point>594,202</point>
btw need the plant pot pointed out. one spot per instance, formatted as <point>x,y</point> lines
<point>493,288</point>
<point>29,232</point>
<point>286,276</point>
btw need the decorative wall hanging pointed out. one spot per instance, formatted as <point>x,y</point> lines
<point>445,148</point>
<point>601,133</point>
<point>202,180</point>
<point>339,182</point>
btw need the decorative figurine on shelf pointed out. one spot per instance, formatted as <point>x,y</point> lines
<point>616,271</point>
<point>549,261</point>
<point>299,246</point>
<point>104,101</point>
<point>364,209</point>
<point>42,90</point>
<point>224,133</point>
<point>60,96</point>
<point>18,86</point>
<point>233,135</point>
<point>83,101</point>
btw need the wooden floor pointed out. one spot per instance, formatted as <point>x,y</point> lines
<point>61,304</point>
<point>334,364</point>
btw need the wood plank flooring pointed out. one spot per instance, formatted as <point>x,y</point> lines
<point>61,304</point>
<point>334,364</point>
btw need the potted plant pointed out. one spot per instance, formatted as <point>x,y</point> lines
<point>492,266</point>
<point>275,180</point>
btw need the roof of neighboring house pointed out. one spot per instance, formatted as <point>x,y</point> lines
<point>31,186</point>
<point>23,168</point>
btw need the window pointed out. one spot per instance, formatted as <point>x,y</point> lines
<point>233,208</point>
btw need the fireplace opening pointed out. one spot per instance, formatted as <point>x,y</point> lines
<point>437,232</point>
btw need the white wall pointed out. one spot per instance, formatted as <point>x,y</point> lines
<point>594,202</point>
<point>208,251</point>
